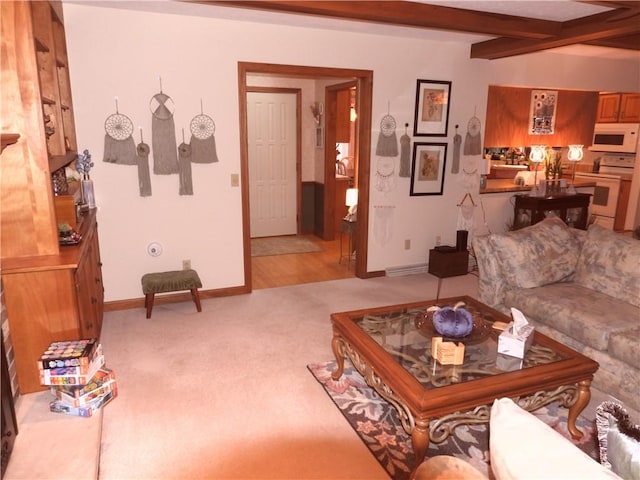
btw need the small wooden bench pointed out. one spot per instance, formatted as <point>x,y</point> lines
<point>173,281</point>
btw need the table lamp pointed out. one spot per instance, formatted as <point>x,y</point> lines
<point>575,155</point>
<point>537,157</point>
<point>352,203</point>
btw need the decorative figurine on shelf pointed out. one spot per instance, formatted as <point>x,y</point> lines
<point>83,166</point>
<point>452,322</point>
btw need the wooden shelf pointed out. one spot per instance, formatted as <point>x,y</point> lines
<point>56,162</point>
<point>9,139</point>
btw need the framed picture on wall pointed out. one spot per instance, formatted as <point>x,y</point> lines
<point>427,168</point>
<point>432,108</point>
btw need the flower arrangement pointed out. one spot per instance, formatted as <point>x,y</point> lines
<point>84,164</point>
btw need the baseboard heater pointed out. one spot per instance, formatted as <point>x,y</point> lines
<point>406,270</point>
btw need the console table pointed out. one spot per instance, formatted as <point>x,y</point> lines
<point>572,209</point>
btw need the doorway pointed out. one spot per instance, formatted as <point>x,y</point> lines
<point>363,80</point>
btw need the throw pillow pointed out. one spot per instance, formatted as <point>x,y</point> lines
<point>523,447</point>
<point>610,263</point>
<point>543,253</point>
<point>619,440</point>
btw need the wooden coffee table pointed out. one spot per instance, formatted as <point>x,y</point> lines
<point>394,356</point>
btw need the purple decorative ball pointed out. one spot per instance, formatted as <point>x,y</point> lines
<point>453,323</point>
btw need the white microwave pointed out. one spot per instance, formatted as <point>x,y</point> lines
<point>615,137</point>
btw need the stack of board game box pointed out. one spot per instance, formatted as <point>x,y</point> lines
<point>79,379</point>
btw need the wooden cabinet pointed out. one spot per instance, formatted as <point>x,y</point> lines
<point>53,298</point>
<point>51,292</point>
<point>507,122</point>
<point>623,204</point>
<point>618,108</point>
<point>572,209</point>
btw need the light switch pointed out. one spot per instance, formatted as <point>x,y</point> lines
<point>235,180</point>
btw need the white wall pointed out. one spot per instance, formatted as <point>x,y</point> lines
<point>122,52</point>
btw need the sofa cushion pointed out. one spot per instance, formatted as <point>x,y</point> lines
<point>576,311</point>
<point>543,253</point>
<point>523,447</point>
<point>610,263</point>
<point>624,346</point>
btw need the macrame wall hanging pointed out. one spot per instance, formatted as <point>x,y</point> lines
<point>457,140</point>
<point>466,211</point>
<point>473,140</point>
<point>185,155</point>
<point>163,134</point>
<point>144,175</point>
<point>385,175</point>
<point>387,140</point>
<point>119,146</point>
<point>405,154</point>
<point>203,140</point>
<point>383,223</point>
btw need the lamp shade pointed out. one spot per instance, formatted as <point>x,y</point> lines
<point>537,153</point>
<point>575,153</point>
<point>352,197</point>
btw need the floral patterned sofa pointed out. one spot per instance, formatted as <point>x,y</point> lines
<point>581,288</point>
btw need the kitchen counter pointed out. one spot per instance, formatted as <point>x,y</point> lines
<point>501,185</point>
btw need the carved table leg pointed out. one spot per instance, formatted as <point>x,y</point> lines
<point>583,395</point>
<point>420,442</point>
<point>336,346</point>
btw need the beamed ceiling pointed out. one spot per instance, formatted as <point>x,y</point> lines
<point>617,25</point>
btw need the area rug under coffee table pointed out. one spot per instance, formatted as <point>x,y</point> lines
<point>376,422</point>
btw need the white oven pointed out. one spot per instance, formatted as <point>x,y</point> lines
<point>608,180</point>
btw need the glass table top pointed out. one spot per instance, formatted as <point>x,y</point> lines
<point>406,335</point>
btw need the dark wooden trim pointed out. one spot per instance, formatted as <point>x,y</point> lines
<point>364,82</point>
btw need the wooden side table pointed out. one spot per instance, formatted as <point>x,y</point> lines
<point>348,227</point>
<point>443,264</point>
<point>572,209</point>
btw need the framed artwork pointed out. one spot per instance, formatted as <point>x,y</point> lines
<point>427,168</point>
<point>432,108</point>
<point>542,113</point>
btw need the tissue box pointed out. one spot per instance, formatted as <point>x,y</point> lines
<point>515,345</point>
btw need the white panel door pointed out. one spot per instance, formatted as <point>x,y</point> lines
<point>271,125</point>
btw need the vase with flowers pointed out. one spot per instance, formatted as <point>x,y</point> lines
<point>83,166</point>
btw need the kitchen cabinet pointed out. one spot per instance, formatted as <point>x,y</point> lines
<point>50,292</point>
<point>623,204</point>
<point>618,108</point>
<point>507,120</point>
<point>572,209</point>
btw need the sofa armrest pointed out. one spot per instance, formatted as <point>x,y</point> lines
<point>491,284</point>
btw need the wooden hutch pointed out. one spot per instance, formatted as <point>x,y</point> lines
<point>52,292</point>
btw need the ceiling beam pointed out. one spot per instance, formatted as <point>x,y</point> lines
<point>411,14</point>
<point>594,28</point>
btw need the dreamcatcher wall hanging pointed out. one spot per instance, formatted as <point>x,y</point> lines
<point>473,139</point>
<point>385,175</point>
<point>203,140</point>
<point>163,134</point>
<point>387,140</point>
<point>120,148</point>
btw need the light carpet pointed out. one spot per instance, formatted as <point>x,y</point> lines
<point>377,423</point>
<point>226,394</point>
<point>265,246</point>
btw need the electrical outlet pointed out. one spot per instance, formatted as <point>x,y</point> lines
<point>186,264</point>
<point>235,180</point>
<point>407,244</point>
<point>438,239</point>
